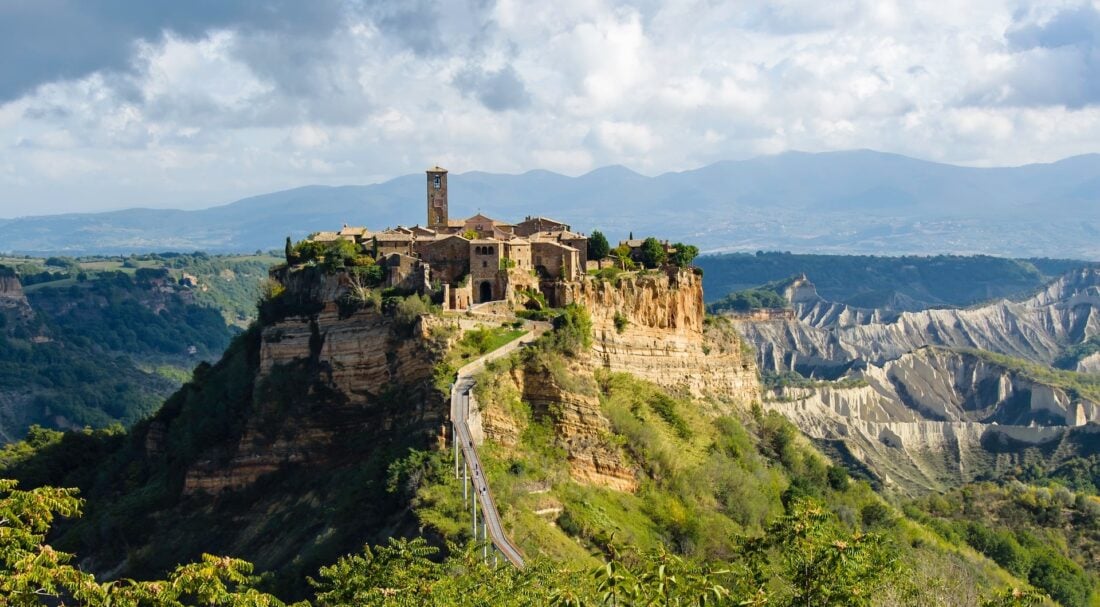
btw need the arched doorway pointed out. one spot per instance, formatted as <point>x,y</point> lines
<point>486,291</point>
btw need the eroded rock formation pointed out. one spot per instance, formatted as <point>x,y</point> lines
<point>827,338</point>
<point>326,382</point>
<point>652,326</point>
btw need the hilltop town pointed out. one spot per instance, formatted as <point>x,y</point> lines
<point>480,259</point>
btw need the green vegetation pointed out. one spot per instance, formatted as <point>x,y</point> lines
<point>106,350</point>
<point>747,301</point>
<point>870,281</point>
<point>683,255</point>
<point>1077,385</point>
<point>598,247</point>
<point>229,283</point>
<point>1074,354</point>
<point>473,344</point>
<point>1049,536</point>
<point>621,322</point>
<point>778,380</point>
<point>653,253</point>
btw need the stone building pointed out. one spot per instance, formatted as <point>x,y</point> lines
<point>477,259</point>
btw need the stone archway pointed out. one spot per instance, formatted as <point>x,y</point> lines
<point>485,292</point>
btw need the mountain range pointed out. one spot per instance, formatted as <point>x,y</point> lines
<point>837,202</point>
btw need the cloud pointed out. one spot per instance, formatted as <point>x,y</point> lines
<point>1053,60</point>
<point>53,40</point>
<point>157,103</point>
<point>497,90</point>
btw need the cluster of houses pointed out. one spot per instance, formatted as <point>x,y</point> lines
<point>474,260</point>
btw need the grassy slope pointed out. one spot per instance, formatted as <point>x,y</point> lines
<point>704,482</point>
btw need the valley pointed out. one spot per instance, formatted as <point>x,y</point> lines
<point>931,399</point>
<point>638,425</point>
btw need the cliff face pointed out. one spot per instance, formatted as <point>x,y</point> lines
<point>327,376</point>
<point>652,326</point>
<point>573,410</point>
<point>935,418</point>
<point>325,380</point>
<point>13,302</point>
<point>827,337</point>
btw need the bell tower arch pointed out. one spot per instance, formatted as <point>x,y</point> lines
<point>437,197</point>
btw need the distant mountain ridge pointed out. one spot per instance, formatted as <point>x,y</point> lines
<point>836,202</point>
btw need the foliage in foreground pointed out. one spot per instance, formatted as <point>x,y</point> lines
<point>818,564</point>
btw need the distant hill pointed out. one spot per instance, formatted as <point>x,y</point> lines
<point>906,283</point>
<point>837,202</point>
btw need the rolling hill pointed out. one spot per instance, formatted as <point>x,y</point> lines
<point>851,202</point>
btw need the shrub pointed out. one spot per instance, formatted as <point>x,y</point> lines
<point>653,253</point>
<point>621,322</point>
<point>598,247</point>
<point>573,329</point>
<point>410,308</point>
<point>684,254</point>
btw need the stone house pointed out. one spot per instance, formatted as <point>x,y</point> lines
<point>498,265</point>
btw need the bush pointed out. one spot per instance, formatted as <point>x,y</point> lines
<point>598,247</point>
<point>410,308</point>
<point>621,322</point>
<point>683,255</point>
<point>653,253</point>
<point>838,478</point>
<point>573,329</point>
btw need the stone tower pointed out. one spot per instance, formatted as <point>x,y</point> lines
<point>437,197</point>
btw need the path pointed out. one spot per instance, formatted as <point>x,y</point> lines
<point>460,413</point>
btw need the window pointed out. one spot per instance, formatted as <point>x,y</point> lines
<point>438,182</point>
<point>485,264</point>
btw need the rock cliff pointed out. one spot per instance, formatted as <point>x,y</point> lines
<point>827,338</point>
<point>652,325</point>
<point>325,382</point>
<point>924,415</point>
<point>935,418</point>
<point>13,302</point>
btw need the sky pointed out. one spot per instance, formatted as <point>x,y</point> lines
<point>108,104</point>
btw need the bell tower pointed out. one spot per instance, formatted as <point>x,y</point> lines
<point>437,197</point>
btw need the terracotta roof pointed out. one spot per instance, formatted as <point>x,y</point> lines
<point>530,219</point>
<point>554,243</point>
<point>444,238</point>
<point>393,237</point>
<point>437,169</point>
<point>325,237</point>
<point>556,235</point>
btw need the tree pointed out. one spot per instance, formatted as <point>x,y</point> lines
<point>288,250</point>
<point>622,254</point>
<point>654,254</point>
<point>33,573</point>
<point>684,254</point>
<point>598,247</point>
<point>818,562</point>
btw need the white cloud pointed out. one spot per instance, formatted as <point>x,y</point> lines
<point>511,85</point>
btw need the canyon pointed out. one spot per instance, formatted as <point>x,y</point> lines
<point>920,403</point>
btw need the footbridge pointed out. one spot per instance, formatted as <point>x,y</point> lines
<point>468,464</point>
